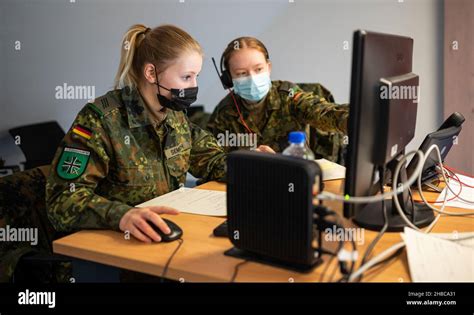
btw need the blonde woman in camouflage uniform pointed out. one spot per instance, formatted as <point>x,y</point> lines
<point>134,143</point>
<point>272,109</point>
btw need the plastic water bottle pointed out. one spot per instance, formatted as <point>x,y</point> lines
<point>298,146</point>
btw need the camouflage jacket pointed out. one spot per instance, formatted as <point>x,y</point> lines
<point>286,108</point>
<point>113,158</point>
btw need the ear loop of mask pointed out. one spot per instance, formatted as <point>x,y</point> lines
<point>158,82</point>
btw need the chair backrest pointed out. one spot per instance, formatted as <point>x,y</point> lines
<point>23,203</point>
<point>38,142</point>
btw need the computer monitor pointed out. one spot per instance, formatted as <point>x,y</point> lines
<point>382,119</point>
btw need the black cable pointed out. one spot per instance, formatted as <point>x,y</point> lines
<point>322,213</point>
<point>383,261</point>
<point>411,199</point>
<point>386,260</point>
<point>353,262</point>
<point>333,255</point>
<point>412,206</point>
<point>165,270</point>
<point>236,270</point>
<point>342,266</point>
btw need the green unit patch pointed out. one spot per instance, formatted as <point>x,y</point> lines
<point>72,163</point>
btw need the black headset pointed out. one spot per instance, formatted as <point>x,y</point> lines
<point>225,76</point>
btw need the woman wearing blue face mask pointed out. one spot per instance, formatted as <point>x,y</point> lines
<point>271,109</point>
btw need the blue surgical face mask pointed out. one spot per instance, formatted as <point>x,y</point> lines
<point>253,88</point>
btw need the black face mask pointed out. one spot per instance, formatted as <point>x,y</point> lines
<point>180,100</point>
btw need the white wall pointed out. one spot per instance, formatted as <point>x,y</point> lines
<point>79,44</point>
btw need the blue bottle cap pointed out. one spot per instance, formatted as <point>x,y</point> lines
<point>297,137</point>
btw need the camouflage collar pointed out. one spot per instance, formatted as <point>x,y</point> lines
<point>261,105</point>
<point>273,98</point>
<point>174,119</point>
<point>136,110</point>
<point>137,113</point>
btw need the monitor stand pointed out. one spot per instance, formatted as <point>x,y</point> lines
<point>372,215</point>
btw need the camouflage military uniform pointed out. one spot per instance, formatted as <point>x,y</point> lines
<point>286,108</point>
<point>330,145</point>
<point>113,158</point>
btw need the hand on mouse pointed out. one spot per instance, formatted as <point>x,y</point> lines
<point>264,148</point>
<point>135,221</point>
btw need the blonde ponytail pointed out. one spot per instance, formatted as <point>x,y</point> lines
<point>125,74</point>
<point>160,46</point>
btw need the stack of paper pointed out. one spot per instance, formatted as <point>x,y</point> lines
<point>195,201</point>
<point>440,258</point>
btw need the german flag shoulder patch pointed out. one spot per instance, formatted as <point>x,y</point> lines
<point>82,131</point>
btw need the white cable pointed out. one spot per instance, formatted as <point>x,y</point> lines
<point>394,184</point>
<point>388,251</point>
<point>375,260</point>
<point>380,257</point>
<point>420,190</point>
<point>460,184</point>
<point>393,194</point>
<point>325,195</point>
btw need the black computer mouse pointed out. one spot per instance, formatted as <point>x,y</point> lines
<point>176,231</point>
